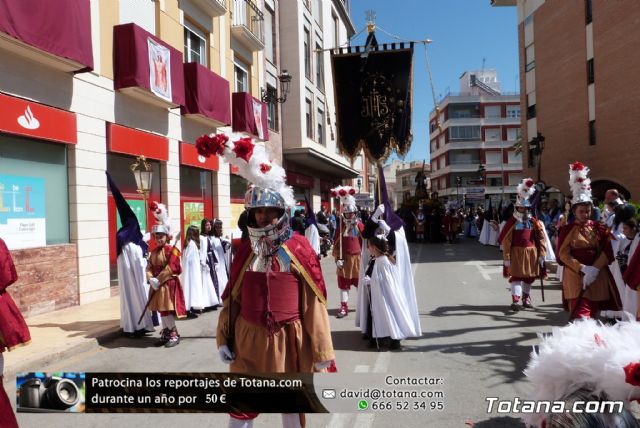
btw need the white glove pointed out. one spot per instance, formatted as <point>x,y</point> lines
<point>590,275</point>
<point>507,263</point>
<point>340,264</point>
<point>366,280</point>
<point>384,226</point>
<point>226,356</point>
<point>541,261</point>
<point>154,283</point>
<point>322,365</point>
<point>377,213</point>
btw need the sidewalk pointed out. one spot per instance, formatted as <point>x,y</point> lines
<point>62,334</point>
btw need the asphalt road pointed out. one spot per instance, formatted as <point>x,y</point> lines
<point>470,339</point>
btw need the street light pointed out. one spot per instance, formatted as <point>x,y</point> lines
<point>143,174</point>
<point>272,96</point>
<point>536,147</point>
<point>359,183</point>
<point>458,183</point>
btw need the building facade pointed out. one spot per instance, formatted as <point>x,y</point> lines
<point>579,91</point>
<point>472,138</point>
<point>402,179</point>
<point>308,30</point>
<point>122,79</point>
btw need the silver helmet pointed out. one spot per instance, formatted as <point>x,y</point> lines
<point>265,241</point>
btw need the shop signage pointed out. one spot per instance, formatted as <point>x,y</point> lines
<point>299,180</point>
<point>121,139</point>
<point>189,156</point>
<point>22,211</point>
<point>22,117</point>
<point>137,206</point>
<point>193,213</point>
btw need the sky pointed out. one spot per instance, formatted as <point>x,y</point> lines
<point>463,33</point>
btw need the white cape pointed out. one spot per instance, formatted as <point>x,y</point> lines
<point>628,296</point>
<point>222,267</point>
<point>484,233</point>
<point>191,277</point>
<point>209,295</point>
<point>133,289</point>
<point>312,235</point>
<point>403,321</point>
<point>551,255</point>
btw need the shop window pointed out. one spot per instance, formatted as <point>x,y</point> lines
<point>34,192</point>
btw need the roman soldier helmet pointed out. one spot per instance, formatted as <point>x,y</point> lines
<point>580,183</point>
<point>268,186</point>
<point>524,191</point>
<point>347,200</point>
<point>161,215</point>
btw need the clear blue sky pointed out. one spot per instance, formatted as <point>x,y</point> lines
<point>463,32</point>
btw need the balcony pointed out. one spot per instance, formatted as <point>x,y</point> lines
<point>211,7</point>
<point>247,24</point>
<point>206,96</point>
<point>64,43</point>
<point>249,115</point>
<point>136,53</point>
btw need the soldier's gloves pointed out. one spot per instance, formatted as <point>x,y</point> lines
<point>590,275</point>
<point>506,263</point>
<point>154,283</point>
<point>366,280</point>
<point>377,213</point>
<point>226,356</point>
<point>340,264</point>
<point>384,226</point>
<point>322,364</point>
<point>541,261</point>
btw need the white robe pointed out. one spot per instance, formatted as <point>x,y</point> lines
<point>134,289</point>
<point>405,321</point>
<point>390,306</point>
<point>484,233</point>
<point>312,235</point>
<point>191,277</point>
<point>628,296</point>
<point>221,268</point>
<point>209,295</point>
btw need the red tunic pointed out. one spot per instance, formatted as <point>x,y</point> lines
<point>13,329</point>
<point>165,266</point>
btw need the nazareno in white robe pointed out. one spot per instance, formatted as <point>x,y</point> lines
<point>394,308</point>
<point>134,289</point>
<point>220,270</point>
<point>312,235</point>
<point>628,296</point>
<point>209,295</point>
<point>191,277</point>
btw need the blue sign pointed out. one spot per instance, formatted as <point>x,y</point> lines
<point>21,198</point>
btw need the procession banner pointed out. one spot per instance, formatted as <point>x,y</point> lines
<point>22,211</point>
<point>373,100</point>
<point>159,69</point>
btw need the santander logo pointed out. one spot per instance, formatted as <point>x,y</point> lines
<point>28,120</point>
<point>201,159</point>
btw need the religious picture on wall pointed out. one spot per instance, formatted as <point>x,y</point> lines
<point>257,115</point>
<point>159,69</point>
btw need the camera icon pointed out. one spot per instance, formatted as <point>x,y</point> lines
<point>329,393</point>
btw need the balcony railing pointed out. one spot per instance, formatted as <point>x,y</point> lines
<point>249,18</point>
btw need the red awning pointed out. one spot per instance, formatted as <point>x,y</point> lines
<point>143,61</point>
<point>121,139</point>
<point>249,115</point>
<point>61,28</point>
<point>206,94</point>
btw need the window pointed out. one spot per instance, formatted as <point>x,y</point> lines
<point>309,120</point>
<point>513,112</point>
<point>515,157</point>
<point>492,111</point>
<point>588,11</point>
<point>515,179</point>
<point>513,134</point>
<point>307,54</point>
<point>319,68</point>
<point>317,11</point>
<point>269,36</point>
<point>495,181</point>
<point>590,72</point>
<point>195,44</point>
<point>531,111</point>
<point>492,134</point>
<point>530,58</point>
<point>592,132</point>
<point>464,133</point>
<point>272,109</point>
<point>41,166</point>
<point>320,124</point>
<point>242,77</point>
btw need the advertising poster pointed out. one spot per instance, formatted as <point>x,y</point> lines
<point>193,214</point>
<point>137,206</point>
<point>159,70</point>
<point>22,211</point>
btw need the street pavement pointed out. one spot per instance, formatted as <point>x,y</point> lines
<point>470,338</point>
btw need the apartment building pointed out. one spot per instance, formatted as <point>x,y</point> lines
<point>472,137</point>
<point>92,90</point>
<point>578,89</point>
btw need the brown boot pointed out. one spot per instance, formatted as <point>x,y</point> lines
<point>344,310</point>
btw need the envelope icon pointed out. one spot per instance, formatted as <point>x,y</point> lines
<point>328,393</point>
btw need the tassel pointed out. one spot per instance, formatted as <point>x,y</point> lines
<point>332,368</point>
<point>271,324</point>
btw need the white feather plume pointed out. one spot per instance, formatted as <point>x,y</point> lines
<point>584,354</point>
<point>348,199</point>
<point>579,182</point>
<point>524,191</point>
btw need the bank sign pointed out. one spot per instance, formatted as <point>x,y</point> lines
<point>22,211</point>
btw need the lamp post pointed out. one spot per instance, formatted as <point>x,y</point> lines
<point>536,147</point>
<point>272,96</point>
<point>143,175</point>
<point>458,183</point>
<point>359,183</point>
<point>481,171</point>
